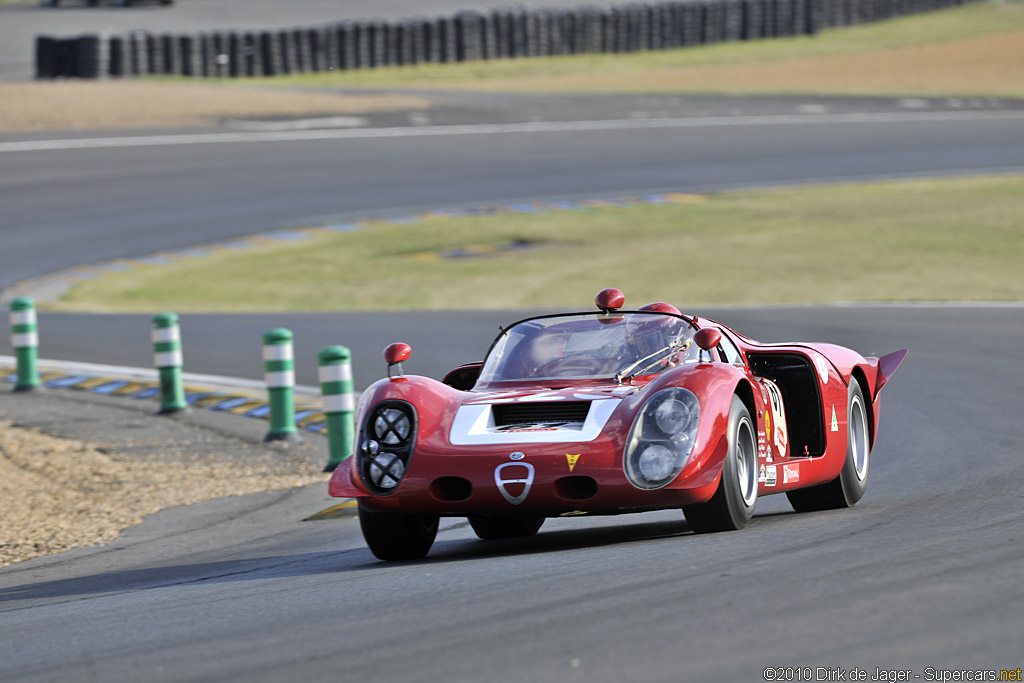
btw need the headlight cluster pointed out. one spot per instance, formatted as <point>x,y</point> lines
<point>662,438</point>
<point>388,435</point>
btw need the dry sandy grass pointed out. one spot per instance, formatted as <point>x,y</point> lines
<point>61,493</point>
<point>990,65</point>
<point>974,50</point>
<point>83,105</point>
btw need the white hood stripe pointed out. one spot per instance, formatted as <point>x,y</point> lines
<point>474,426</point>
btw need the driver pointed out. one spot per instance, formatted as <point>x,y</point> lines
<point>649,334</point>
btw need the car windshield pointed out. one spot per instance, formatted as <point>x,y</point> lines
<point>617,345</point>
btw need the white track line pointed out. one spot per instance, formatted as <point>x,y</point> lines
<point>505,128</point>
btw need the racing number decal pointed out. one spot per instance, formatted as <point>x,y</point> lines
<point>822,365</point>
<point>780,437</point>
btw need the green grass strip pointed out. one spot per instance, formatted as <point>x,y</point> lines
<point>930,240</point>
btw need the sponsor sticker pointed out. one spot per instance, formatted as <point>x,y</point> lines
<point>790,473</point>
<point>835,422</point>
<point>572,460</point>
<point>770,473</point>
<point>762,476</point>
<point>763,451</point>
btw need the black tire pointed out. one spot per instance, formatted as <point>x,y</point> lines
<point>394,536</point>
<point>847,488</point>
<point>493,528</point>
<point>732,506</point>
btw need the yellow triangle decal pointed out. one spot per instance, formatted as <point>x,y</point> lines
<point>572,460</point>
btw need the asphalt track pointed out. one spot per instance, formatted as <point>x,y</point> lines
<point>925,572</point>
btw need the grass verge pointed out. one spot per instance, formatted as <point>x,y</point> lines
<point>972,50</point>
<point>952,239</point>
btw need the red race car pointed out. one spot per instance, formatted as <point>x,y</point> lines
<point>610,412</point>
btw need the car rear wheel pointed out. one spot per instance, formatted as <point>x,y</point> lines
<point>732,506</point>
<point>393,536</point>
<point>493,528</point>
<point>847,488</point>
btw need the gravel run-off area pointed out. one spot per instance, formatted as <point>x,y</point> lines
<point>77,470</point>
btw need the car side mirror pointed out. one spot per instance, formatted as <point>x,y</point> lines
<point>707,339</point>
<point>395,355</point>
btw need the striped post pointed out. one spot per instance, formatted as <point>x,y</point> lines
<point>279,373</point>
<point>167,359</point>
<point>25,341</point>
<point>339,403</point>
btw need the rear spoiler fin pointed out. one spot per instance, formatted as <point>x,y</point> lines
<point>887,365</point>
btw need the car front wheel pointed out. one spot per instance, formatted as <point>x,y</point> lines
<point>395,536</point>
<point>732,506</point>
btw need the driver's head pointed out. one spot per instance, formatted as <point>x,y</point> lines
<point>647,334</point>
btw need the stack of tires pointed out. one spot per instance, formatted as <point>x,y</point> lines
<point>96,3</point>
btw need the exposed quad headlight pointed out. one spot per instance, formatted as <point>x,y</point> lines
<point>662,437</point>
<point>386,470</point>
<point>392,426</point>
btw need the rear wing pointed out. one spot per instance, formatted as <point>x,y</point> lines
<point>887,365</point>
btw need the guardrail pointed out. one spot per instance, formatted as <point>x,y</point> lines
<point>467,36</point>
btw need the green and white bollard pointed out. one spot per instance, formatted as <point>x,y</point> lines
<point>25,341</point>
<point>167,359</point>
<point>279,374</point>
<point>339,403</point>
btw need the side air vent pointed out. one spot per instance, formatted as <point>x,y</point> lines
<point>506,414</point>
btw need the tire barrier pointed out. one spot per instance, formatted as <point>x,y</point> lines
<point>335,373</point>
<point>465,37</point>
<point>279,376</point>
<point>168,361</point>
<point>25,342</point>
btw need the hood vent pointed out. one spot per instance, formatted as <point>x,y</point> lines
<point>541,412</point>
